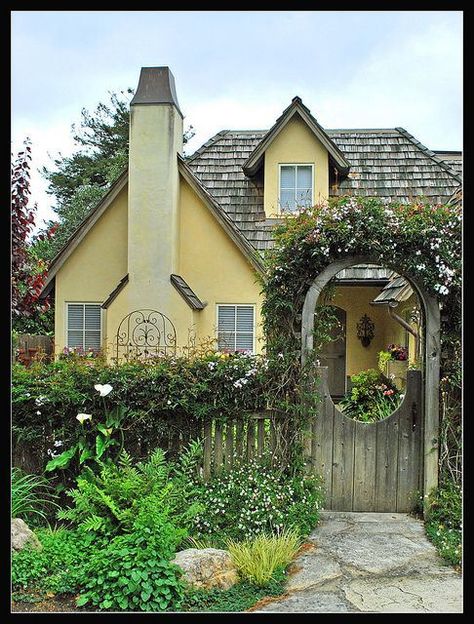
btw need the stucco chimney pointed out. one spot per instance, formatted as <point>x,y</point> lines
<point>156,137</point>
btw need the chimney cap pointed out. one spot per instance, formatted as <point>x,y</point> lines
<point>156,86</point>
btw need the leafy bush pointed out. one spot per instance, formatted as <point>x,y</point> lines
<point>130,574</point>
<point>156,495</point>
<point>255,498</point>
<point>58,566</point>
<point>444,521</point>
<point>373,397</point>
<point>258,558</point>
<point>170,396</point>
<point>32,496</point>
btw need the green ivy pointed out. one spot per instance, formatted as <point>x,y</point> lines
<point>130,574</point>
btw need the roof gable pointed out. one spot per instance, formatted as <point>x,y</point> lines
<point>253,163</point>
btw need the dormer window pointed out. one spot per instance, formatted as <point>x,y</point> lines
<point>296,187</point>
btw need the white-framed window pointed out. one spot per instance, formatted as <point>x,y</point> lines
<point>295,186</point>
<point>84,325</point>
<point>236,327</point>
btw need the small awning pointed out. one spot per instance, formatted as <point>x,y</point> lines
<point>187,293</point>
<point>397,290</point>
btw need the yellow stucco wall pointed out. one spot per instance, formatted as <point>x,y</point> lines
<point>355,300</point>
<point>213,266</point>
<point>295,144</point>
<point>95,267</point>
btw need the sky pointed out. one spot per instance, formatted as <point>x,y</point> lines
<point>237,70</point>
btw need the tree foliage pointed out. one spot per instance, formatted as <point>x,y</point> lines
<point>80,180</point>
<point>28,272</point>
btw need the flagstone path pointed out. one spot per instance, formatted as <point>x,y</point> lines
<point>369,562</point>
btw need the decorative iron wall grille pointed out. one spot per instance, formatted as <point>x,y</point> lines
<point>144,334</point>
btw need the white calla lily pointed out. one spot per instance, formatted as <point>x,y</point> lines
<point>82,417</point>
<point>104,390</point>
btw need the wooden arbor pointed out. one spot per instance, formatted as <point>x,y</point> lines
<point>431,352</point>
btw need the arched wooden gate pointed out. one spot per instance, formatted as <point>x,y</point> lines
<point>369,466</point>
<point>377,467</point>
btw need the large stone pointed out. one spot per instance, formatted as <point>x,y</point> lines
<point>23,536</point>
<point>205,568</point>
<point>312,569</point>
<point>308,601</point>
<point>436,594</point>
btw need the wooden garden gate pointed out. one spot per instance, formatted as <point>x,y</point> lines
<point>379,467</point>
<point>369,466</point>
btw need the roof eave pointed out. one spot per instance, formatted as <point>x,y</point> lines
<point>228,225</point>
<point>82,229</point>
<point>254,161</point>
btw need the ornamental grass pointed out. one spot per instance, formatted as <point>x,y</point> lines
<point>258,559</point>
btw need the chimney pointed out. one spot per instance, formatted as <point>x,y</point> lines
<point>156,137</point>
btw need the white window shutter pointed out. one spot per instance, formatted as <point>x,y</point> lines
<point>84,325</point>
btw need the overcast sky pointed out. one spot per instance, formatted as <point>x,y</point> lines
<point>239,70</point>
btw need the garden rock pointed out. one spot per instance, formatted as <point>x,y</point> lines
<point>205,568</point>
<point>23,536</point>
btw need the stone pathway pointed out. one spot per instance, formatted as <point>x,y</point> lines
<point>370,562</point>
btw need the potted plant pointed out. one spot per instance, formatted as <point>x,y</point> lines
<point>394,363</point>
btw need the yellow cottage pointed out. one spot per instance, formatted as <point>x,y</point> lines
<point>169,258</point>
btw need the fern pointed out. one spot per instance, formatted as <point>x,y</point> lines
<point>124,497</point>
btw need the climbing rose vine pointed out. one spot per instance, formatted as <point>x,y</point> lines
<point>418,240</point>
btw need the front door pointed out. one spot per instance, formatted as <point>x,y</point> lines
<point>334,355</point>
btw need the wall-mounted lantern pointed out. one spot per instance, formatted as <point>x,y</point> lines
<point>365,330</point>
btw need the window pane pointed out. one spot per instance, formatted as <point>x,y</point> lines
<point>92,340</point>
<point>303,197</point>
<point>74,339</point>
<point>304,178</point>
<point>244,342</point>
<point>245,319</point>
<point>226,318</point>
<point>287,177</point>
<point>287,200</point>
<point>93,317</point>
<point>226,341</point>
<point>75,316</point>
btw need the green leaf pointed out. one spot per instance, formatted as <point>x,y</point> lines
<point>100,446</point>
<point>82,600</point>
<point>86,454</point>
<point>145,596</point>
<point>103,429</point>
<point>62,461</point>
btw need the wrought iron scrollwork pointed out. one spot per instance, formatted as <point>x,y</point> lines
<point>144,334</point>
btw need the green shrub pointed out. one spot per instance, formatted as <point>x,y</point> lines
<point>239,597</point>
<point>444,521</point>
<point>124,497</point>
<point>32,496</point>
<point>169,396</point>
<point>373,397</point>
<point>254,498</point>
<point>258,558</point>
<point>130,574</point>
<point>58,566</point>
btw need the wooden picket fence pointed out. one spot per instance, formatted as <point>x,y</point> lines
<point>241,439</point>
<point>32,347</point>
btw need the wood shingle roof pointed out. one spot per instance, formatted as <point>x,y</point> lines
<point>388,163</point>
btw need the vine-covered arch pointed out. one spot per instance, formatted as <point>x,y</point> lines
<point>431,356</point>
<point>418,240</point>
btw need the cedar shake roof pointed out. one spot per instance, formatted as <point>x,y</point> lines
<point>397,291</point>
<point>388,163</point>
